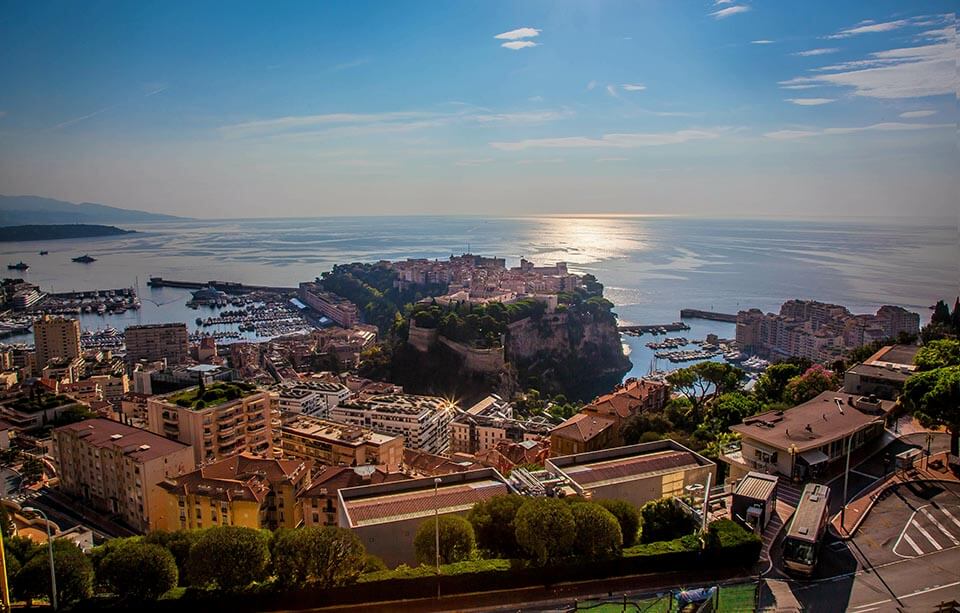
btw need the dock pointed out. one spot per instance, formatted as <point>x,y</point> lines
<point>710,315</point>
<point>228,287</point>
<point>648,328</point>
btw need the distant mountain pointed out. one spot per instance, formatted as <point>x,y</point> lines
<point>20,210</point>
<point>44,232</point>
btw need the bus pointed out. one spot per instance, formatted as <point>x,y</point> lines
<point>806,531</point>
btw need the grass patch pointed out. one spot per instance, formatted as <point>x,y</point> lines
<point>740,598</point>
<point>215,394</point>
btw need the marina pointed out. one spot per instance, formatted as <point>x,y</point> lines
<point>655,329</point>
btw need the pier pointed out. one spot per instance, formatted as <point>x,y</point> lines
<point>710,315</point>
<point>654,328</point>
<point>228,287</point>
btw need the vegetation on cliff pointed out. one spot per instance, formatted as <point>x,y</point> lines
<point>57,232</point>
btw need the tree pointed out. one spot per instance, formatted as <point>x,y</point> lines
<point>6,524</point>
<point>639,424</point>
<point>139,571</point>
<point>74,574</point>
<point>773,382</point>
<point>627,516</point>
<point>598,532</point>
<point>493,524</point>
<point>457,540</point>
<point>663,520</point>
<point>545,529</point>
<point>178,543</point>
<point>725,411</point>
<point>810,384</point>
<point>697,382</point>
<point>322,556</point>
<point>229,556</point>
<point>933,397</point>
<point>937,354</point>
<point>32,470</point>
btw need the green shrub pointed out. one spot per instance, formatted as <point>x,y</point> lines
<point>663,520</point>
<point>228,557</point>
<point>457,541</point>
<point>545,529</point>
<point>598,532</point>
<point>139,571</point>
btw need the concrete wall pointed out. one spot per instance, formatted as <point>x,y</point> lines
<point>422,339</point>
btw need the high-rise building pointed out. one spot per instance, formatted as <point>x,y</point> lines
<point>118,469</point>
<point>158,341</point>
<point>55,337</point>
<point>423,421</point>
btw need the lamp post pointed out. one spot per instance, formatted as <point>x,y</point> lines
<point>846,479</point>
<point>53,570</point>
<point>436,527</point>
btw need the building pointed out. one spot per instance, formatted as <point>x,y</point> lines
<point>242,490</point>
<point>386,516</point>
<point>582,433</point>
<point>339,310</point>
<point>33,413</point>
<point>882,374</point>
<point>809,440</point>
<point>755,500</point>
<point>158,341</point>
<point>635,473</point>
<point>218,421</point>
<point>311,396</point>
<point>422,421</point>
<point>321,500</point>
<point>118,469</point>
<point>55,337</point>
<point>335,444</point>
<point>489,421</point>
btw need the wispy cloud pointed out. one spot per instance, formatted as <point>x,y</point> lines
<point>516,45</point>
<point>917,114</point>
<point>351,64</point>
<point>518,34</point>
<point>591,85</point>
<point>730,11</point>
<point>870,27</point>
<point>762,41</point>
<point>77,120</point>
<point>611,159</point>
<point>526,162</point>
<point>471,163</point>
<point>811,101</point>
<point>613,141</point>
<point>788,85</point>
<point>633,87</point>
<point>877,127</point>
<point>535,99</point>
<point>612,91</point>
<point>814,52</point>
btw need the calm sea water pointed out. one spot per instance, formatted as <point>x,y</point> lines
<point>651,266</point>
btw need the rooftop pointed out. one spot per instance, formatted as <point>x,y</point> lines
<point>407,404</point>
<point>582,427</point>
<point>330,479</point>
<point>213,395</point>
<point>758,486</point>
<point>138,444</point>
<point>308,425</point>
<point>240,477</point>
<point>895,354</point>
<point>815,422</point>
<point>628,463</point>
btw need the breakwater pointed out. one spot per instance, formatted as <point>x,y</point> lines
<point>228,287</point>
<point>710,315</point>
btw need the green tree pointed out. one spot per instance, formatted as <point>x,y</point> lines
<point>178,543</point>
<point>545,529</point>
<point>663,520</point>
<point>598,532</point>
<point>493,524</point>
<point>138,571</point>
<point>933,397</point>
<point>773,382</point>
<point>74,574</point>
<point>639,424</point>
<point>937,354</point>
<point>229,557</point>
<point>321,556</point>
<point>457,540</point>
<point>699,381</point>
<point>725,411</point>
<point>810,384</point>
<point>627,516</point>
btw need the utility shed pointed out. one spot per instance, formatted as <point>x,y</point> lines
<point>755,500</point>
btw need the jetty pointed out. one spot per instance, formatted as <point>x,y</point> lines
<point>654,328</point>
<point>710,315</point>
<point>228,287</point>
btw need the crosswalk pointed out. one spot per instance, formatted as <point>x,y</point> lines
<point>929,529</point>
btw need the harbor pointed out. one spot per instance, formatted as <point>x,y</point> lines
<point>639,330</point>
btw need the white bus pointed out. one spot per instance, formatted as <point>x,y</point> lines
<point>807,527</point>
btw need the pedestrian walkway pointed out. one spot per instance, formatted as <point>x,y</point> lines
<point>929,529</point>
<point>788,496</point>
<point>788,493</point>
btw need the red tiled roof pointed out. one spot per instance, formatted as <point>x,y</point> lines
<point>582,427</point>
<point>422,502</point>
<point>332,479</point>
<point>631,467</point>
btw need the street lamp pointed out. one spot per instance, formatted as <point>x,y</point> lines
<point>53,571</point>
<point>436,526</point>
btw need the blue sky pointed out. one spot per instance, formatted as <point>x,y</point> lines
<point>742,107</point>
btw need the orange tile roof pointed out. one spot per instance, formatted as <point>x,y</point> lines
<point>582,427</point>
<point>422,503</point>
<point>586,474</point>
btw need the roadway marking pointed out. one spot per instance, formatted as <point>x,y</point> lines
<point>910,542</point>
<point>926,534</point>
<point>903,535</point>
<point>862,608</point>
<point>863,474</point>
<point>939,526</point>
<point>952,518</point>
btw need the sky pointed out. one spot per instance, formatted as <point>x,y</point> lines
<point>266,109</point>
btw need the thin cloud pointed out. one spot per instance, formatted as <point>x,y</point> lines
<point>611,159</point>
<point>77,120</point>
<point>870,27</point>
<point>917,114</point>
<point>633,87</point>
<point>472,163</point>
<point>519,33</point>
<point>350,64</point>
<point>877,127</point>
<point>814,52</point>
<point>762,41</point>
<point>730,11</point>
<point>591,85</point>
<point>811,101</point>
<point>798,85</point>
<point>516,45</point>
<point>612,141</point>
<point>612,91</point>
<point>535,99</point>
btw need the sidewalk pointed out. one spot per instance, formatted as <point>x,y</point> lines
<point>934,468</point>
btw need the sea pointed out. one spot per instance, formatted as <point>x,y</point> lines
<point>651,266</point>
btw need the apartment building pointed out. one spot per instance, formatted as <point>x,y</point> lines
<point>311,397</point>
<point>219,420</point>
<point>422,421</point>
<point>242,490</point>
<point>336,444</point>
<point>158,341</point>
<point>117,469</point>
<point>55,337</point>
<point>321,500</point>
<point>583,432</point>
<point>882,374</point>
<point>481,427</point>
<point>337,309</point>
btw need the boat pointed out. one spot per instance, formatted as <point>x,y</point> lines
<point>18,266</point>
<point>85,259</point>
<point>44,252</point>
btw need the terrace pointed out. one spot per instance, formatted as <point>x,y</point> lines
<point>213,395</point>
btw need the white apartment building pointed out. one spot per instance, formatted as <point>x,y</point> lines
<point>423,421</point>
<point>315,398</point>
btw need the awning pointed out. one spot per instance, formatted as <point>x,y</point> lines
<point>813,457</point>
